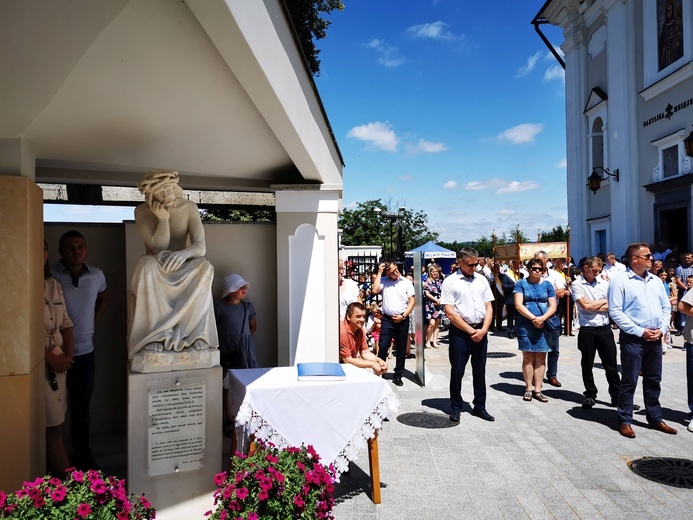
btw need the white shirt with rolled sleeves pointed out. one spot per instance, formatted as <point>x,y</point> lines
<point>594,291</point>
<point>395,295</point>
<point>468,296</point>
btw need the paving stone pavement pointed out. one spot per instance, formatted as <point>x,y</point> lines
<point>536,461</point>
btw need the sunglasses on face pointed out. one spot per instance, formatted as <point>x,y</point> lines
<point>645,257</point>
<point>536,269</point>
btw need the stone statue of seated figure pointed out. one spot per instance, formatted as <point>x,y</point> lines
<point>171,285</point>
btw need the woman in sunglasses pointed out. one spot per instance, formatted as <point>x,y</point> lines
<point>535,302</point>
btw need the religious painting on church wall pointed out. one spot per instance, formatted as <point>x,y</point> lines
<point>669,32</point>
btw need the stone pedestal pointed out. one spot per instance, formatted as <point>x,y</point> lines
<point>174,434</point>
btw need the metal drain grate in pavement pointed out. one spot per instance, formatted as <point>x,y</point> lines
<point>665,470</point>
<point>500,354</point>
<point>426,420</point>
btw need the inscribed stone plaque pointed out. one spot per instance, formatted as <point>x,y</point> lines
<point>176,429</point>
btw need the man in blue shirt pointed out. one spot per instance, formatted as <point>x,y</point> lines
<point>641,309</point>
<point>84,287</point>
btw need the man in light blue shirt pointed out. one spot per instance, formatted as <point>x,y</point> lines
<point>84,287</point>
<point>641,309</point>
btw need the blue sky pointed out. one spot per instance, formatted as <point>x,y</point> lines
<point>444,106</point>
<point>451,108</point>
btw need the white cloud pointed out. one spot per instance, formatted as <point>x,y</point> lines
<point>549,55</point>
<point>450,185</point>
<point>475,185</point>
<point>424,146</point>
<point>501,186</point>
<point>554,72</point>
<point>405,178</point>
<point>521,134</point>
<point>506,212</point>
<point>351,205</point>
<point>529,66</point>
<point>515,186</point>
<point>377,134</point>
<point>435,31</point>
<point>563,163</point>
<point>389,54</point>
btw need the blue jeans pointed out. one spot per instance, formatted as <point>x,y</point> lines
<point>552,357</point>
<point>646,356</point>
<point>461,349</point>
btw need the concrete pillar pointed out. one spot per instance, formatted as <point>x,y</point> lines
<point>307,285</point>
<point>22,415</point>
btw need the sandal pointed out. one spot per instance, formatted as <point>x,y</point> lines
<point>527,396</point>
<point>540,397</point>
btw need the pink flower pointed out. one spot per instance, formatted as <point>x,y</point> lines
<point>263,495</point>
<point>219,479</point>
<point>83,510</point>
<point>252,516</point>
<point>298,502</point>
<point>78,476</point>
<point>98,487</point>
<point>145,503</point>
<point>58,494</point>
<point>271,458</point>
<point>39,502</point>
<point>242,493</point>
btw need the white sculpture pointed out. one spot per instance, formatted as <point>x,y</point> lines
<point>173,308</point>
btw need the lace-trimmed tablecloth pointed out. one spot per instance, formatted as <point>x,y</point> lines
<point>336,417</point>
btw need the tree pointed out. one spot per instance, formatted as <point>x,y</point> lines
<point>310,26</point>
<point>557,234</point>
<point>236,215</point>
<point>369,225</point>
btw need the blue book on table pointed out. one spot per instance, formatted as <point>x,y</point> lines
<point>320,372</point>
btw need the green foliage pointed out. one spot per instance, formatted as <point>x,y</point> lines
<point>484,245</point>
<point>236,215</point>
<point>369,225</point>
<point>81,495</point>
<point>310,26</point>
<point>272,483</point>
<point>557,234</point>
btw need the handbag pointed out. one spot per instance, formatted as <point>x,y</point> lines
<point>553,324</point>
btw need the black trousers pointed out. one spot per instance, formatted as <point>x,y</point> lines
<point>399,331</point>
<point>80,386</point>
<point>461,349</point>
<point>592,340</point>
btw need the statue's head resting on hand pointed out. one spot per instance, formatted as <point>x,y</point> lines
<point>161,186</point>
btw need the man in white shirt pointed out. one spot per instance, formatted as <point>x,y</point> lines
<point>398,303</point>
<point>552,337</point>
<point>466,298</point>
<point>589,292</point>
<point>612,267</point>
<point>348,290</point>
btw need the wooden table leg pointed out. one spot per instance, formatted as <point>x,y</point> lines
<point>374,464</point>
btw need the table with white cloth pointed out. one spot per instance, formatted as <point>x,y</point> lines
<point>336,417</point>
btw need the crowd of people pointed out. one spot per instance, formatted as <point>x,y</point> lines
<point>646,296</point>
